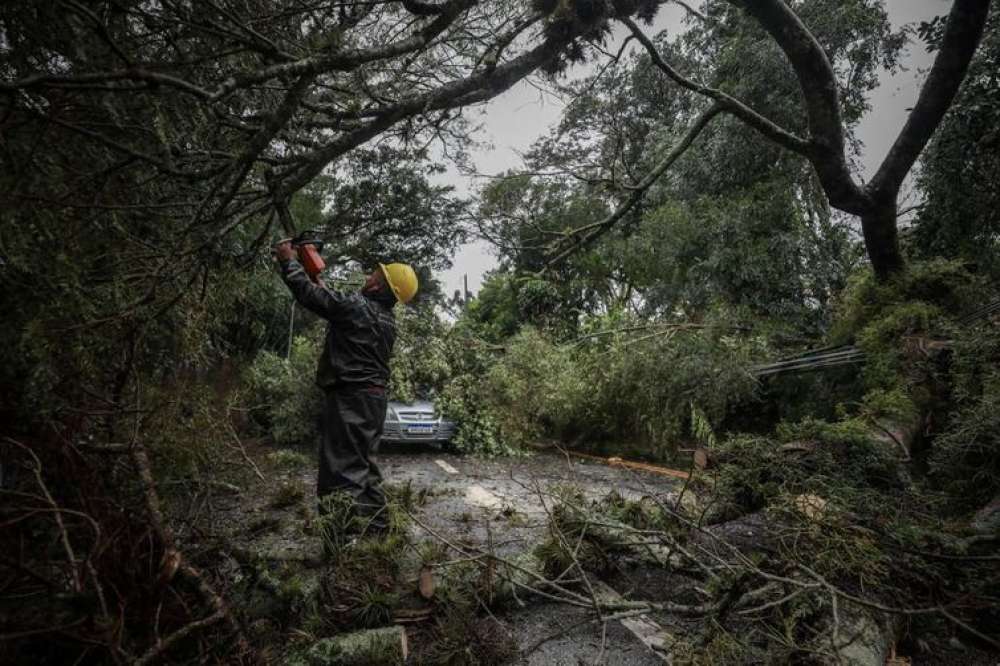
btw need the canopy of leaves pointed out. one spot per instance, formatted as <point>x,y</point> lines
<point>961,168</point>
<point>737,221</point>
<point>145,144</point>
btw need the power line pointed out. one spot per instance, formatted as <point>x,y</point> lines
<point>834,357</point>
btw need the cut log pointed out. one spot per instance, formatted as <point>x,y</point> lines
<point>811,506</point>
<point>384,646</point>
<point>426,582</point>
<point>703,458</point>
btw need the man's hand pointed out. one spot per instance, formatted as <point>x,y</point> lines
<point>284,251</point>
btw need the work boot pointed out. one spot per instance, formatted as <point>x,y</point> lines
<point>372,519</point>
<point>375,530</point>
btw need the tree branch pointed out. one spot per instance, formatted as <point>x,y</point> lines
<point>277,120</point>
<point>727,103</point>
<point>474,88</point>
<point>591,232</point>
<point>961,39</point>
<point>822,99</point>
<point>346,60</point>
<point>338,60</point>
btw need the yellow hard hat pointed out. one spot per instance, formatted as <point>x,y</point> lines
<point>402,280</point>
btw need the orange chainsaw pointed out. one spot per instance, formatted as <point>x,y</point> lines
<point>306,244</point>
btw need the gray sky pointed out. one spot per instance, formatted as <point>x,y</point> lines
<point>514,120</point>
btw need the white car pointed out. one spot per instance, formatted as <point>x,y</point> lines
<point>416,422</point>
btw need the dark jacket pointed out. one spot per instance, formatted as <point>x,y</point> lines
<point>359,337</point>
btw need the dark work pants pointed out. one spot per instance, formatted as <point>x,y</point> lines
<point>353,418</point>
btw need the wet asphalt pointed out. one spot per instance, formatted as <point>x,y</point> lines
<point>502,504</point>
<point>499,505</point>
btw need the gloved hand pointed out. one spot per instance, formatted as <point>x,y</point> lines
<point>283,250</point>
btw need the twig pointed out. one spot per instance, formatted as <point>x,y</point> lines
<point>554,529</point>
<point>975,632</point>
<point>56,514</point>
<point>239,444</point>
<point>162,530</point>
<point>157,650</point>
<point>604,642</point>
<point>43,630</point>
<point>777,602</point>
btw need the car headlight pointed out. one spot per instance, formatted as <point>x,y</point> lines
<point>391,414</point>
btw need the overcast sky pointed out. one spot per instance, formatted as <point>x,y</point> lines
<point>514,120</point>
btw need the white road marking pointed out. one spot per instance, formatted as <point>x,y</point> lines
<point>481,497</point>
<point>651,634</point>
<point>446,467</point>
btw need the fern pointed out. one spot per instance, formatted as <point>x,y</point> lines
<point>701,428</point>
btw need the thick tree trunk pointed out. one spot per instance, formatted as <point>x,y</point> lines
<point>882,240</point>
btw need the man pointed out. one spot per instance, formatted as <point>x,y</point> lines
<point>354,375</point>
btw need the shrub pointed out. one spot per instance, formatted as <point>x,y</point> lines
<point>836,461</point>
<point>928,287</point>
<point>188,431</point>
<point>421,363</point>
<point>924,300</point>
<point>289,493</point>
<point>284,399</point>
<point>650,385</point>
<point>639,386</point>
<point>966,456</point>
<point>535,389</point>
<point>464,401</point>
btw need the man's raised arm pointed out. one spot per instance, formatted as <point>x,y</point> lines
<point>325,303</point>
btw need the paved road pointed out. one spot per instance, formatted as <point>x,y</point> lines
<point>479,502</point>
<point>502,502</point>
<point>469,493</point>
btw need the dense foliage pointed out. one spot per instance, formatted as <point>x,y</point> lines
<point>961,169</point>
<point>283,397</point>
<point>966,456</point>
